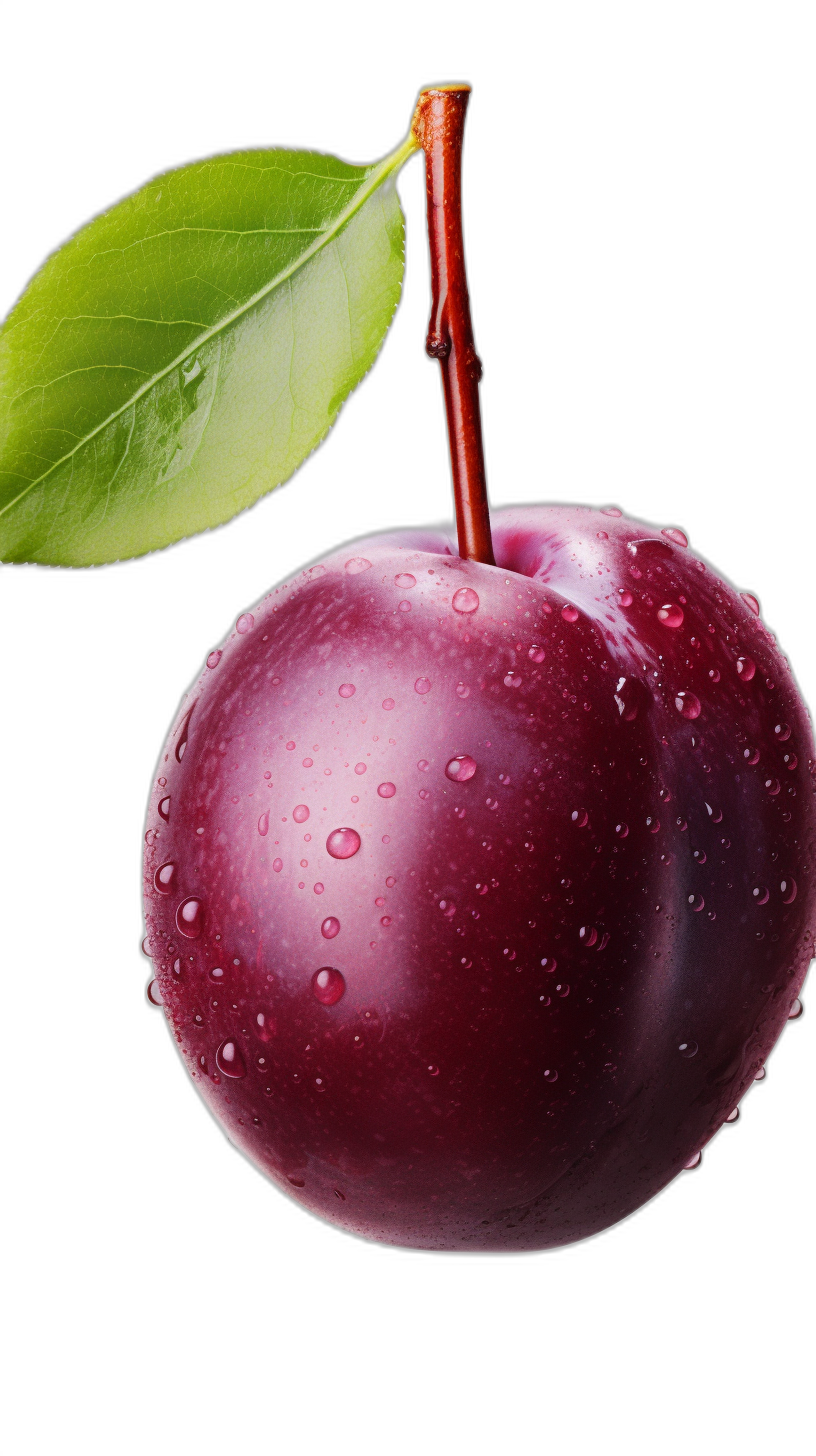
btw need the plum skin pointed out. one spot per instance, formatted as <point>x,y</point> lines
<point>561,974</point>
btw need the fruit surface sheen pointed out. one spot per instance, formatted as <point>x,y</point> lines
<point>477,896</point>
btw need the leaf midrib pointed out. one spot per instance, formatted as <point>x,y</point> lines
<point>375,179</point>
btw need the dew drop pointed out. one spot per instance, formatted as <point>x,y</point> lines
<point>621,830</point>
<point>347,690</point>
<point>434,1071</point>
<point>550,1075</point>
<point>154,994</point>
<point>796,1010</point>
<point>462,690</point>
<point>214,658</point>
<point>751,602</point>
<point>761,1075</point>
<point>631,696</point>
<point>696,903</point>
<point>512,680</point>
<point>580,818</point>
<point>746,667</point>
<point>314,572</point>
<point>277,865</point>
<point>549,963</point>
<point>386,791</point>
<point>688,704</point>
<point>670,615</point>
<point>318,888</point>
<point>164,808</point>
<point>465,600</point>
<point>228,1060</point>
<point>787,890</point>
<point>536,653</point>
<point>422,685</point>
<point>388,704</point>
<point>694,1162</point>
<point>688,1048</point>
<point>343,843</point>
<point>245,623</point>
<point>461,768</point>
<point>569,612</point>
<point>356,565</point>
<point>760,894</point>
<point>263,824</point>
<point>733,1116</point>
<point>405,580</point>
<point>217,974</point>
<point>190,918</point>
<point>328,984</point>
<point>422,764</point>
<point>330,927</point>
<point>404,606</point>
<point>300,813</point>
<point>588,934</point>
<point>164,878</point>
<point>626,598</point>
<point>782,732</point>
<point>673,533</point>
<point>773,786</point>
<point>714,674</point>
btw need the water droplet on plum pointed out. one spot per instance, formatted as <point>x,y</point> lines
<point>343,843</point>
<point>347,690</point>
<point>422,685</point>
<point>688,704</point>
<point>746,667</point>
<point>405,580</point>
<point>190,917</point>
<point>670,615</point>
<point>328,985</point>
<point>164,878</point>
<point>673,533</point>
<point>330,927</point>
<point>356,565</point>
<point>386,791</point>
<point>465,600</point>
<point>461,768</point>
<point>569,612</point>
<point>244,624</point>
<point>300,813</point>
<point>229,1060</point>
<point>214,658</point>
<point>263,824</point>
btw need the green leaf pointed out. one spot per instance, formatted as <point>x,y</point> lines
<point>185,351</point>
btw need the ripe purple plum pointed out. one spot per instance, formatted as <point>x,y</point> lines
<point>478,895</point>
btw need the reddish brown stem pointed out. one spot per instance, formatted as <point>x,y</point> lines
<point>438,126</point>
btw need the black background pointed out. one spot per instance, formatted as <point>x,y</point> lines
<point>633,268</point>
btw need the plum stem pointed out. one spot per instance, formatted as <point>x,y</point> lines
<point>438,127</point>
